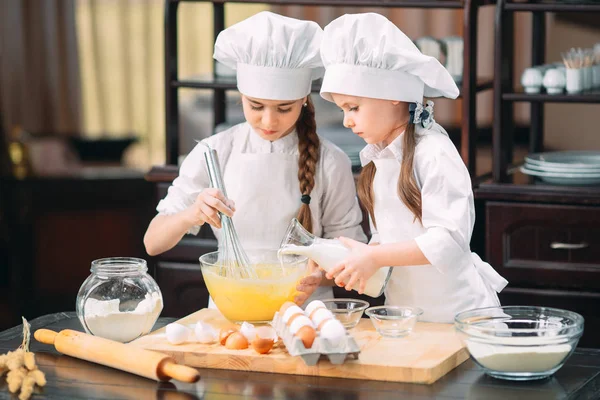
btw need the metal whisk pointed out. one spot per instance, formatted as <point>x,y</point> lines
<point>232,256</point>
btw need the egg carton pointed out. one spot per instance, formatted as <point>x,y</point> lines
<point>347,348</point>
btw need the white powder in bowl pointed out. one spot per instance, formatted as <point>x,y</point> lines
<point>516,358</point>
<point>104,319</point>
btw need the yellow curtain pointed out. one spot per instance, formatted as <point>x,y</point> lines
<point>122,75</point>
<point>39,72</point>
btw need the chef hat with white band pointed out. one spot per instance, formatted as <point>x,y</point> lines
<point>366,55</point>
<point>275,57</point>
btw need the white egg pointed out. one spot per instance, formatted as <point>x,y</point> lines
<point>177,333</point>
<point>299,322</point>
<point>293,310</point>
<point>248,330</point>
<point>333,331</point>
<point>205,333</point>
<point>313,305</point>
<point>321,315</point>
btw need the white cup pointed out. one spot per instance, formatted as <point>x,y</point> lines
<point>574,80</point>
<point>587,77</point>
<point>596,76</point>
<point>554,81</point>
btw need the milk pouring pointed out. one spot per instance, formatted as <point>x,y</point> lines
<point>327,253</point>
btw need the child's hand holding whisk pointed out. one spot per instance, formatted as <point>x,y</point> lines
<point>207,206</point>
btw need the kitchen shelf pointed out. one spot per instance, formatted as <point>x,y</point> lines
<point>230,84</point>
<point>507,92</point>
<point>470,86</point>
<point>553,6</point>
<point>448,4</point>
<point>524,188</point>
<point>591,96</point>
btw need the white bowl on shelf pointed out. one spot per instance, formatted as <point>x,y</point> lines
<point>531,80</point>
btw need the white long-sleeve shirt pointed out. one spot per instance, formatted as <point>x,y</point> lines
<point>334,206</point>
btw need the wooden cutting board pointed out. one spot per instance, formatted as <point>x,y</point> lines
<point>427,354</point>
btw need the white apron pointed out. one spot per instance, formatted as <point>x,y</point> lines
<point>265,190</point>
<point>472,283</point>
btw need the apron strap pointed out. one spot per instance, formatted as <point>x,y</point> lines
<point>489,274</point>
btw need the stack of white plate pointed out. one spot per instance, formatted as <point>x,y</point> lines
<point>564,167</point>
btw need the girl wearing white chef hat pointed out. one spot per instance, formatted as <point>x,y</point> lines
<point>413,183</point>
<point>275,166</point>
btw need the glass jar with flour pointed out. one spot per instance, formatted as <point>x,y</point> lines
<point>119,300</point>
<point>327,253</point>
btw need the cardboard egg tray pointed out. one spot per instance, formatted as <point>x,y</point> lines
<point>321,348</point>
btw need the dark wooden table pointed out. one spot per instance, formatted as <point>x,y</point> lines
<point>69,378</point>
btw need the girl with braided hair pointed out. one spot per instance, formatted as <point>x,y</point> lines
<point>275,166</point>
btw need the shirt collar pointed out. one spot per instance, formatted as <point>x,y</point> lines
<point>394,150</point>
<point>377,151</point>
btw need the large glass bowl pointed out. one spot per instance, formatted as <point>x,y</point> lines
<point>253,299</point>
<point>520,342</point>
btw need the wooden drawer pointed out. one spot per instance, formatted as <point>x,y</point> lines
<point>544,245</point>
<point>182,287</point>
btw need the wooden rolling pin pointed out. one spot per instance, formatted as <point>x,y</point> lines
<point>146,363</point>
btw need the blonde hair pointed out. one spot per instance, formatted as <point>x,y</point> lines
<point>309,147</point>
<point>408,190</point>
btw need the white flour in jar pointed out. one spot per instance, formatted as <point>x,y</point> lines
<point>518,358</point>
<point>104,319</point>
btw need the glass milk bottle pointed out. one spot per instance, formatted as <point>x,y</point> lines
<point>327,253</point>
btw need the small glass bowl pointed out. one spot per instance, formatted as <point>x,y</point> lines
<point>394,321</point>
<point>520,342</point>
<point>347,311</point>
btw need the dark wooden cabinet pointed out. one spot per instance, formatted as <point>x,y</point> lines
<point>56,226</point>
<point>545,245</point>
<point>182,286</point>
<point>550,254</point>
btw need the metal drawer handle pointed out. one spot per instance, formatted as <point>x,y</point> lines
<point>568,246</point>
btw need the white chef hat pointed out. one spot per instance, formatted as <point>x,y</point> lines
<point>366,55</point>
<point>276,57</point>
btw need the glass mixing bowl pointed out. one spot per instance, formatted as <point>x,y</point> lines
<point>520,342</point>
<point>257,299</point>
<point>119,300</point>
<point>394,321</point>
<point>347,311</point>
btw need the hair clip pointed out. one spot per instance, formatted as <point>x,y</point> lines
<point>421,114</point>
